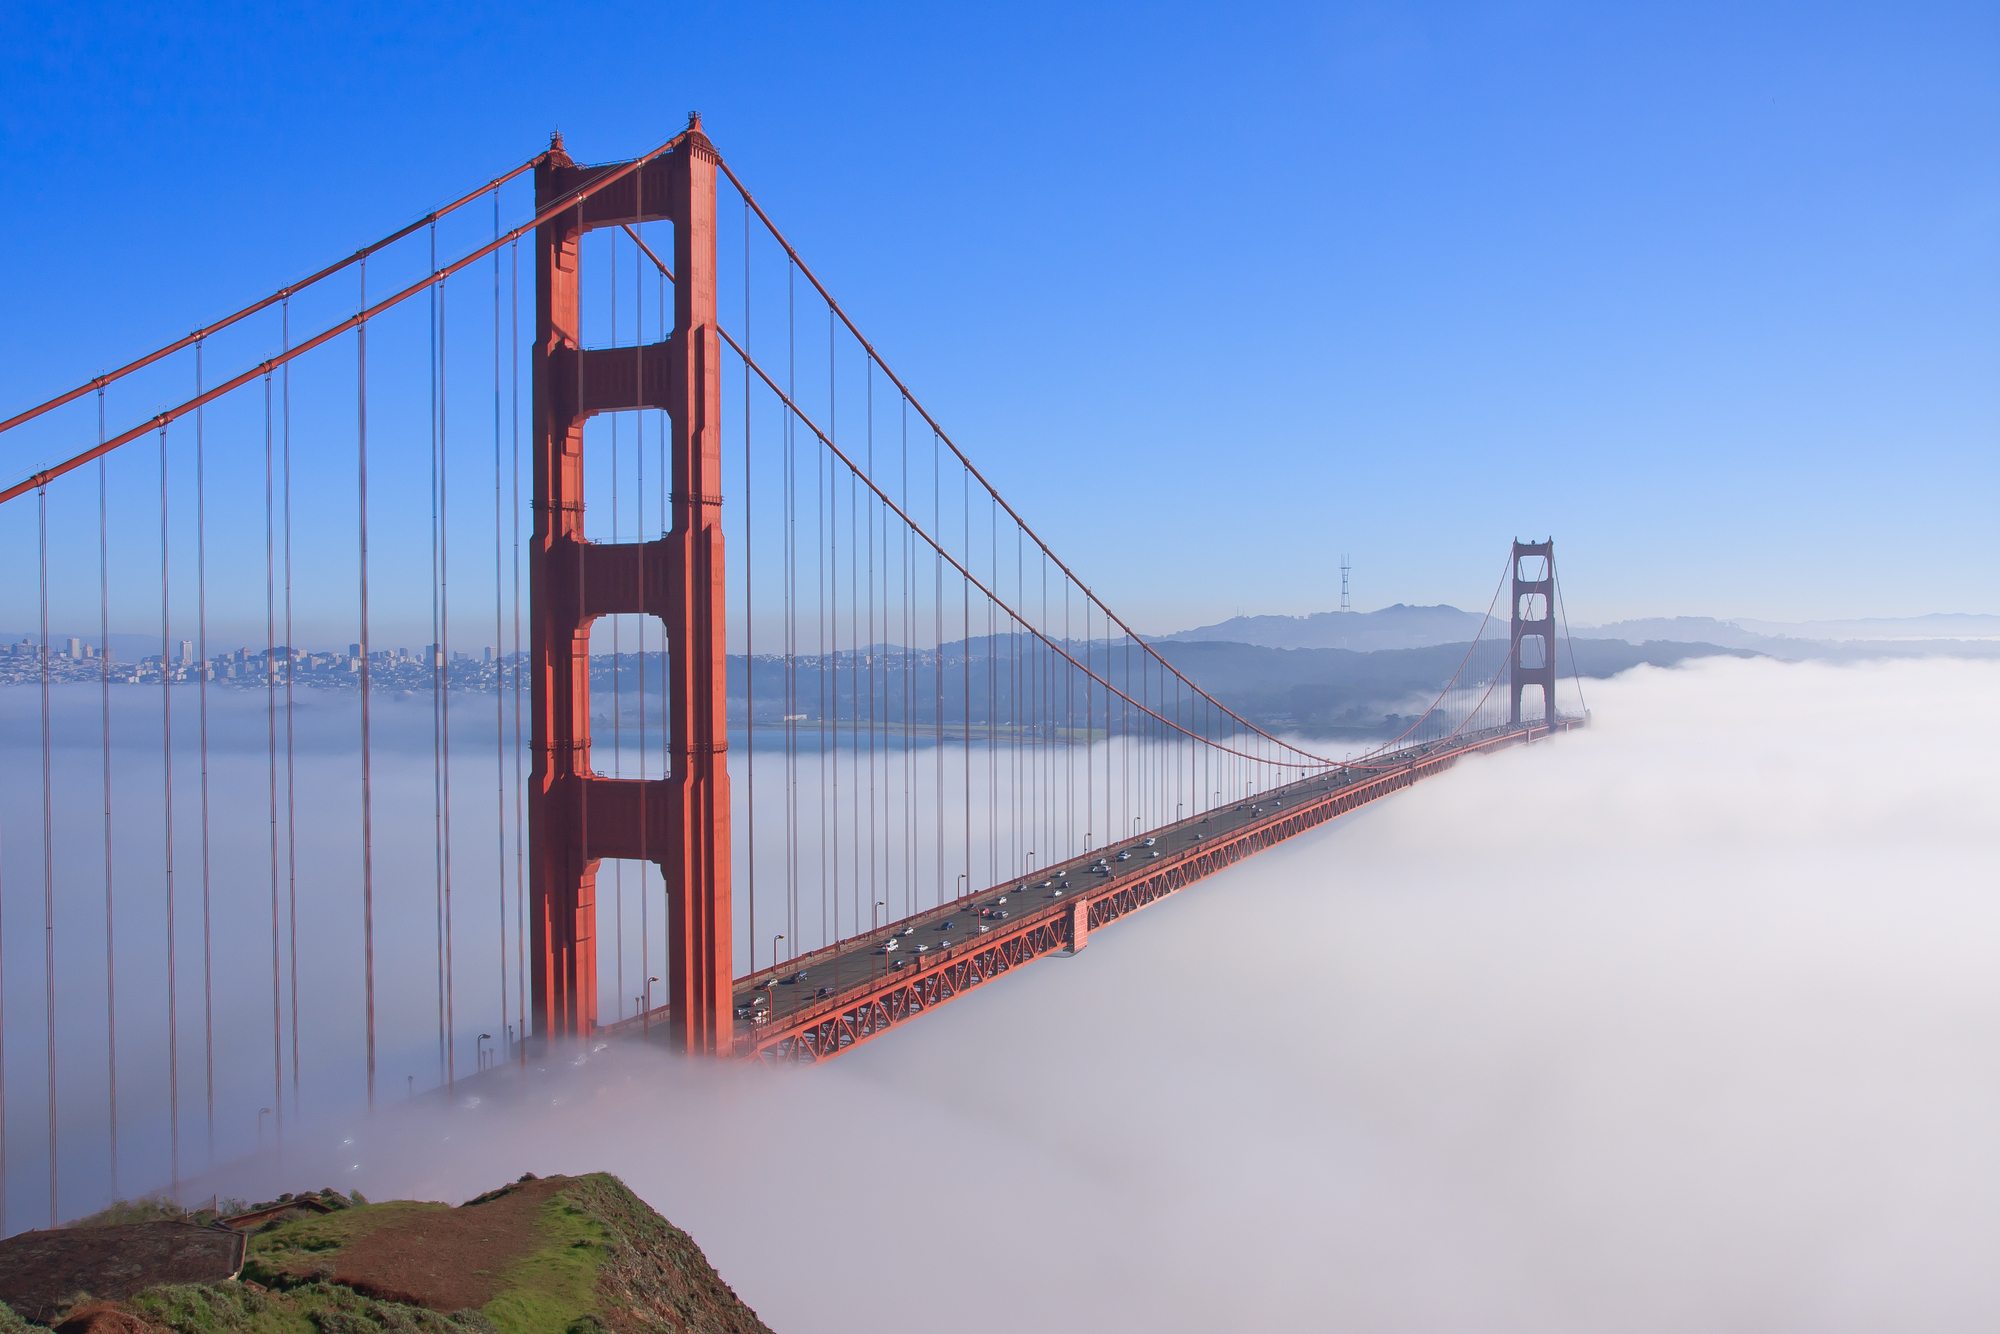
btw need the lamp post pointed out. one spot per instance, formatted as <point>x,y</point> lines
<point>646,1007</point>
<point>774,948</point>
<point>874,914</point>
<point>961,884</point>
<point>1030,874</point>
<point>479,1050</point>
<point>262,1112</point>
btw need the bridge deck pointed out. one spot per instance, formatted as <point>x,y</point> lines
<point>870,993</point>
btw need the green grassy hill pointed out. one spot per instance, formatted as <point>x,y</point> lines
<point>572,1255</point>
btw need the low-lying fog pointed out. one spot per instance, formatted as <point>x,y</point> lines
<point>1685,1023</point>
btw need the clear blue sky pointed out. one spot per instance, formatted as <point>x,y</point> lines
<point>1709,292</point>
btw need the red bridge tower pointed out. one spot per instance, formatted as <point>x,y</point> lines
<point>1532,661</point>
<point>577,817</point>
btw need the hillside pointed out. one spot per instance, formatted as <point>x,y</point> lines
<point>1325,692</point>
<point>1393,627</point>
<point>577,1255</point>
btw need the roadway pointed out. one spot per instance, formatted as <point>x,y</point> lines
<point>769,998</point>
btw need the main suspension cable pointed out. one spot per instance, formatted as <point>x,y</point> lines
<point>607,177</point>
<point>967,463</point>
<point>283,294</point>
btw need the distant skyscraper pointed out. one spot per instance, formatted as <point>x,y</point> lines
<point>187,651</point>
<point>75,650</point>
<point>354,650</point>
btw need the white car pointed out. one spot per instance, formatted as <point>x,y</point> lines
<point>908,931</point>
<point>1148,841</point>
<point>919,947</point>
<point>891,945</point>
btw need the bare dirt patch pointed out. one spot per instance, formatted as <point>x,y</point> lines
<point>41,1271</point>
<point>447,1259</point>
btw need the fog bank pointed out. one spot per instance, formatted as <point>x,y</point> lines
<point>1683,1023</point>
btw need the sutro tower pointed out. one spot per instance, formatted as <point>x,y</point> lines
<point>1345,605</point>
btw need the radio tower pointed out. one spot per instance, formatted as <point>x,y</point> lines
<point>1345,605</point>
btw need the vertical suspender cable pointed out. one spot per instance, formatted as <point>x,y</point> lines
<point>1574,675</point>
<point>271,756</point>
<point>829,667</point>
<point>367,785</point>
<point>201,710</point>
<point>854,683</point>
<point>937,672</point>
<point>992,703</point>
<point>291,662</point>
<point>104,705</point>
<point>435,654</point>
<point>855,691</point>
<point>514,667</point>
<point>749,617</point>
<point>791,621</point>
<point>167,801</point>
<point>3,1041</point>
<point>1014,703</point>
<point>444,693</point>
<point>48,847</point>
<point>965,653</point>
<point>909,656</point>
<point>499,656</point>
<point>874,644</point>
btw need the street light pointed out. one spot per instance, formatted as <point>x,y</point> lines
<point>262,1112</point>
<point>774,948</point>
<point>1031,864</point>
<point>479,1050</point>
<point>874,914</point>
<point>961,881</point>
<point>646,1007</point>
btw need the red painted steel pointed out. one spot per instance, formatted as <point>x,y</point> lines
<point>587,186</point>
<point>577,817</point>
<point>1530,628</point>
<point>864,1012</point>
<point>262,303</point>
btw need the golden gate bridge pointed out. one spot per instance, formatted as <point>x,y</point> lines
<point>893,749</point>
